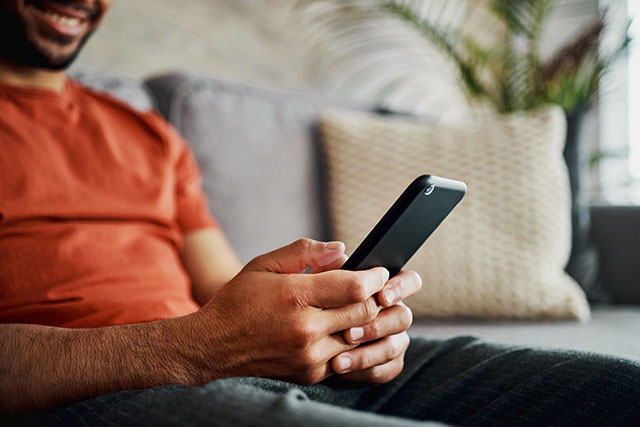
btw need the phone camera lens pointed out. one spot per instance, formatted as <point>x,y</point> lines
<point>429,190</point>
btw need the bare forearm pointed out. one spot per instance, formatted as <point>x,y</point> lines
<point>44,365</point>
<point>210,262</point>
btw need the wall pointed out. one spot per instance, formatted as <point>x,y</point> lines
<point>242,40</point>
<point>249,40</point>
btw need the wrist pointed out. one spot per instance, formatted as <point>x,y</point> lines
<point>155,353</point>
<point>189,344</point>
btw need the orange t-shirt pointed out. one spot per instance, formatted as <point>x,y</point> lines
<point>94,199</point>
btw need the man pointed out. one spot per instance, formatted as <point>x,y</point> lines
<point>119,292</point>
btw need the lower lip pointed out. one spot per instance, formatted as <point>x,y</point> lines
<point>57,28</point>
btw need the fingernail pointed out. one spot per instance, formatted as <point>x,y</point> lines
<point>344,363</point>
<point>390,296</point>
<point>333,246</point>
<point>356,333</point>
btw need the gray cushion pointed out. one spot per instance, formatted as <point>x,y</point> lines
<point>130,90</point>
<point>258,153</point>
<point>611,330</point>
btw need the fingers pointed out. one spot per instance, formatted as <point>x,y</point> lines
<point>380,374</point>
<point>401,286</point>
<point>390,321</point>
<point>376,362</point>
<point>341,318</point>
<point>340,288</point>
<point>334,345</point>
<point>297,256</point>
<point>368,320</point>
<point>313,363</point>
<point>335,265</point>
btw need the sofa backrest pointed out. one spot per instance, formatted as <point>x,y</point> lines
<point>130,90</point>
<point>259,155</point>
<point>262,165</point>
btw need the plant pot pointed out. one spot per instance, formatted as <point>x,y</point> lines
<point>583,264</point>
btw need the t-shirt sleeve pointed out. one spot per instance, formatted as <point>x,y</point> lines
<point>192,208</point>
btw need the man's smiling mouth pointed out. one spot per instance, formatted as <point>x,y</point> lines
<point>62,19</point>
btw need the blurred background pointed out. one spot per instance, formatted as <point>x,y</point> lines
<point>413,62</point>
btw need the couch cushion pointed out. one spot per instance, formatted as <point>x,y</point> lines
<point>258,153</point>
<point>502,252</point>
<point>611,330</point>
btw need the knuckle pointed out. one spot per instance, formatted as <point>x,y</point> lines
<point>363,361</point>
<point>255,262</point>
<point>311,358</point>
<point>303,333</point>
<point>292,293</point>
<point>370,309</point>
<point>303,245</point>
<point>377,374</point>
<point>393,349</point>
<point>396,347</point>
<point>357,288</point>
<point>400,284</point>
<point>374,329</point>
<point>383,277</point>
<point>408,283</point>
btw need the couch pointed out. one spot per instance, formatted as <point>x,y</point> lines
<point>263,174</point>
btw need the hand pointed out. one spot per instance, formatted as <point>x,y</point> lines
<point>385,339</point>
<point>272,321</point>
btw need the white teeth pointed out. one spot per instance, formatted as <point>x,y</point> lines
<point>64,20</point>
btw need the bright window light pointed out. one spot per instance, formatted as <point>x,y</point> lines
<point>634,90</point>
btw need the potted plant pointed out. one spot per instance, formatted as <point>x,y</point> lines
<point>511,76</point>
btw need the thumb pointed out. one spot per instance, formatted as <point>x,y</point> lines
<point>297,256</point>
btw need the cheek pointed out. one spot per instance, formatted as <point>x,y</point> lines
<point>104,6</point>
<point>30,29</point>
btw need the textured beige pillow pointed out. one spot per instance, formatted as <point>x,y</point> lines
<point>502,251</point>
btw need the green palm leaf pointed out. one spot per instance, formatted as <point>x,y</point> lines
<point>503,68</point>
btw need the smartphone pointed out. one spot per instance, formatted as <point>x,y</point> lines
<point>407,224</point>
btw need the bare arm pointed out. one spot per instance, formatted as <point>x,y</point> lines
<point>44,365</point>
<point>210,262</point>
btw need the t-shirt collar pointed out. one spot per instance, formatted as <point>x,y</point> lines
<point>36,92</point>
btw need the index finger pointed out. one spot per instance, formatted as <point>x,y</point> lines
<point>338,288</point>
<point>403,285</point>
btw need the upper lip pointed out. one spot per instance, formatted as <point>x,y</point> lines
<point>72,9</point>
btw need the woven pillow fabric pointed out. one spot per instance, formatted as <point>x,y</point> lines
<point>502,251</point>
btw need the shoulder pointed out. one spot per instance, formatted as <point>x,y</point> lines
<point>105,103</point>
